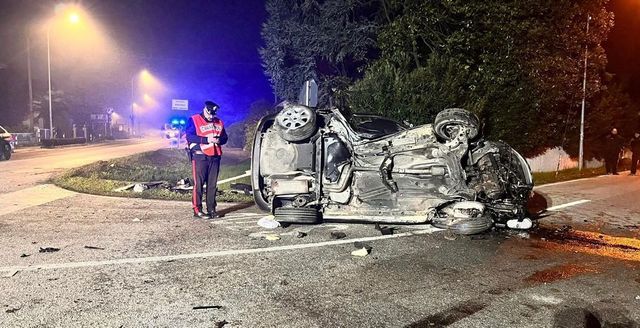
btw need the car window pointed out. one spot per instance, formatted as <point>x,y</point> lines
<point>371,126</point>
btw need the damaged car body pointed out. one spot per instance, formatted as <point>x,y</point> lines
<point>309,165</point>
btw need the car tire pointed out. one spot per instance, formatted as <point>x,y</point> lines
<point>468,226</point>
<point>297,215</point>
<point>452,117</point>
<point>296,123</point>
<point>5,151</point>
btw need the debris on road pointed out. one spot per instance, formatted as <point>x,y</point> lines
<point>272,237</point>
<point>385,231</point>
<point>183,185</point>
<point>268,222</point>
<point>220,324</point>
<point>637,297</point>
<point>360,252</point>
<point>93,247</point>
<point>48,249</point>
<point>136,220</point>
<point>10,274</point>
<point>140,187</point>
<point>25,255</point>
<point>203,307</point>
<point>338,234</point>
<point>240,188</point>
<point>13,309</point>
<point>359,244</point>
<point>300,234</point>
<point>124,188</point>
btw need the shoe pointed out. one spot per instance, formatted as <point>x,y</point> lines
<point>214,215</point>
<point>201,215</point>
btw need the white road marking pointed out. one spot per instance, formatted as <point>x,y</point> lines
<point>561,206</point>
<point>69,265</point>
<point>29,197</point>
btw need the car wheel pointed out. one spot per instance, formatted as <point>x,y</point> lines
<point>464,226</point>
<point>297,215</point>
<point>449,121</point>
<point>296,123</point>
<point>5,151</point>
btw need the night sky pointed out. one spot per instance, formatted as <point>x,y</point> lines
<point>200,49</point>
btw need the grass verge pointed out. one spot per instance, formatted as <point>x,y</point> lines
<point>541,178</point>
<point>170,165</point>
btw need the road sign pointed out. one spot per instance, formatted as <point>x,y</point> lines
<point>98,117</point>
<point>179,104</point>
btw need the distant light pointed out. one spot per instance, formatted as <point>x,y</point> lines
<point>74,18</point>
<point>182,122</point>
<point>134,105</point>
<point>174,122</point>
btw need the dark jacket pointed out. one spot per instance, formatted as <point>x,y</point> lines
<point>613,143</point>
<point>193,137</point>
<point>634,144</point>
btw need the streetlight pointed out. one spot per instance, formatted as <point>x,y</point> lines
<point>143,73</point>
<point>74,19</point>
<point>584,98</point>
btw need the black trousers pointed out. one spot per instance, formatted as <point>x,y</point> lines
<point>205,171</point>
<point>634,162</point>
<point>611,163</point>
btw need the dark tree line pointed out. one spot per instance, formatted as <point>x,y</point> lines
<point>517,64</point>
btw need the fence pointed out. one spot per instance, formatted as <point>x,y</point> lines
<point>557,158</point>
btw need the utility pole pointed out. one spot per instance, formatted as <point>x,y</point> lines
<point>49,75</point>
<point>31,118</point>
<point>584,99</point>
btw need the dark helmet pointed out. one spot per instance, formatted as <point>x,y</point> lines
<point>211,107</point>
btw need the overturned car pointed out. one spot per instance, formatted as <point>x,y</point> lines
<point>309,165</point>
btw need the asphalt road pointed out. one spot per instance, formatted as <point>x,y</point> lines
<point>140,263</point>
<point>30,166</point>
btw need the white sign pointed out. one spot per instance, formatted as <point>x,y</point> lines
<point>179,104</point>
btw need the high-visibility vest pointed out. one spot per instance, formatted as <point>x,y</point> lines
<point>206,129</point>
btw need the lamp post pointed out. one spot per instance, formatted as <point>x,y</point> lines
<point>49,78</point>
<point>584,99</point>
<point>74,19</point>
<point>131,128</point>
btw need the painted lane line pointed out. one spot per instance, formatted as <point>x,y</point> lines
<point>561,206</point>
<point>30,197</point>
<point>138,260</point>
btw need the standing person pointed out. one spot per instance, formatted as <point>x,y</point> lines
<point>613,144</point>
<point>634,144</point>
<point>205,136</point>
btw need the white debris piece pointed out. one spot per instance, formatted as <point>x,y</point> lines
<point>268,222</point>
<point>140,187</point>
<point>272,237</point>
<point>362,252</point>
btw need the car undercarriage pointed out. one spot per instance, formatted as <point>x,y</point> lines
<point>310,165</point>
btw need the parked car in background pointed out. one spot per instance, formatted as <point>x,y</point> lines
<point>7,144</point>
<point>313,164</point>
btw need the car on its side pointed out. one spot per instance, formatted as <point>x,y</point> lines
<point>7,144</point>
<point>312,164</point>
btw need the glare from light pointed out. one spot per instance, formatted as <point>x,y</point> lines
<point>134,105</point>
<point>147,97</point>
<point>74,18</point>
